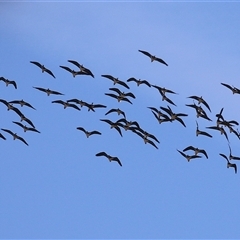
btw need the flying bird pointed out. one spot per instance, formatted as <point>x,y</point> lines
<point>139,81</point>
<point>153,58</point>
<point>48,91</point>
<point>66,104</point>
<point>44,69</point>
<point>201,100</point>
<point>118,97</point>
<point>7,82</point>
<point>122,94</point>
<point>199,132</point>
<point>117,110</point>
<point>15,136</point>
<point>196,150</point>
<point>92,106</point>
<point>110,158</point>
<point>233,165</point>
<point>188,157</point>
<point>11,107</point>
<point>88,134</point>
<point>73,72</point>
<point>25,128</point>
<point>220,129</point>
<point>233,89</point>
<point>83,70</point>
<point>22,103</point>
<point>231,157</point>
<point>113,125</point>
<point>116,80</point>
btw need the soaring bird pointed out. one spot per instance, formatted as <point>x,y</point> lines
<point>153,58</point>
<point>118,97</point>
<point>92,106</point>
<point>233,165</point>
<point>161,117</point>
<point>139,81</point>
<point>80,102</point>
<point>15,136</point>
<point>220,129</point>
<point>11,107</point>
<point>44,69</point>
<point>144,133</point>
<point>122,94</point>
<point>48,91</point>
<point>9,82</point>
<point>83,70</point>
<point>199,132</point>
<point>116,80</point>
<point>88,134</point>
<point>113,125</point>
<point>233,89</point>
<point>66,104</point>
<point>199,110</point>
<point>201,100</point>
<point>196,150</point>
<point>174,116</point>
<point>163,91</point>
<point>188,157</point>
<point>117,110</point>
<point>128,124</point>
<point>25,128</point>
<point>110,158</point>
<point>73,72</point>
<point>22,103</point>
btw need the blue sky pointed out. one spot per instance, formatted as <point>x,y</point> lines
<point>56,187</point>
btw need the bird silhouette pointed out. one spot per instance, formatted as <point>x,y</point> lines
<point>43,68</point>
<point>110,158</point>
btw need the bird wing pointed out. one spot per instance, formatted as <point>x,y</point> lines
<point>36,63</point>
<point>189,148</point>
<point>81,129</point>
<point>109,77</point>
<point>19,124</point>
<point>21,139</point>
<point>1,136</point>
<point>161,61</point>
<point>102,154</point>
<point>145,53</point>
<point>224,156</point>
<point>66,68</point>
<point>58,101</point>
<point>8,131</point>
<point>14,84</point>
<point>95,132</point>
<point>228,86</point>
<point>123,84</point>
<point>55,92</point>
<point>49,72</point>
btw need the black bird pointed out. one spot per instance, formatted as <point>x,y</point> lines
<point>110,158</point>
<point>163,92</point>
<point>48,91</point>
<point>11,107</point>
<point>196,150</point>
<point>1,136</point>
<point>66,104</point>
<point>44,69</point>
<point>144,133</point>
<point>188,157</point>
<point>8,82</point>
<point>174,116</point>
<point>23,118</point>
<point>92,106</point>
<point>233,165</point>
<point>117,110</point>
<point>128,124</point>
<point>122,94</point>
<point>113,125</point>
<point>116,80</point>
<point>220,129</point>
<point>145,138</point>
<point>22,103</point>
<point>199,132</point>
<point>73,72</point>
<point>83,70</point>
<point>199,110</point>
<point>118,97</point>
<point>139,81</point>
<point>88,134</point>
<point>75,100</point>
<point>233,89</point>
<point>153,58</point>
<point>161,117</point>
<point>15,136</point>
<point>201,100</point>
<point>25,128</point>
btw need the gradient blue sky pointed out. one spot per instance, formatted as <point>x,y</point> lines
<point>56,187</point>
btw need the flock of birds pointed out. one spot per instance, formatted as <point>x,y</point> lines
<point>162,114</point>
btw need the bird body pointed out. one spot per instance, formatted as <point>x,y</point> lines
<point>66,104</point>
<point>15,136</point>
<point>88,134</point>
<point>115,80</point>
<point>139,81</point>
<point>7,82</point>
<point>48,91</point>
<point>22,103</point>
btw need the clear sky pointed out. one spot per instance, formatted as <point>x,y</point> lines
<point>56,187</point>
